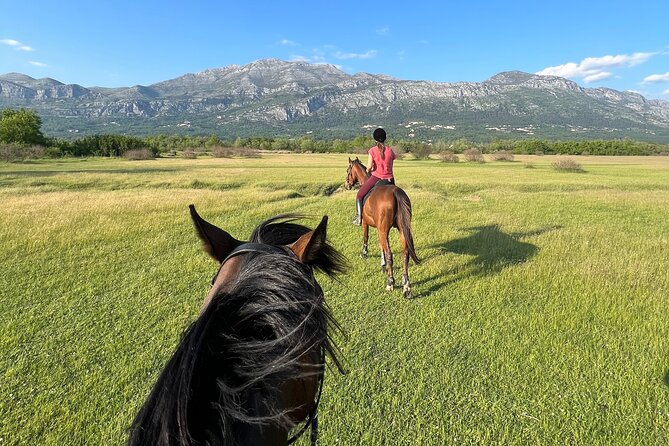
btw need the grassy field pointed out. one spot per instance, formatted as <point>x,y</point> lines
<point>541,317</point>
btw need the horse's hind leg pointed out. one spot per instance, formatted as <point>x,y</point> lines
<point>365,237</point>
<point>387,255</point>
<point>406,286</point>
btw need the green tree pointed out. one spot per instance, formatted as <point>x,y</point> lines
<point>20,127</point>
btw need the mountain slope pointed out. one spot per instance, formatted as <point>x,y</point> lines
<point>277,98</point>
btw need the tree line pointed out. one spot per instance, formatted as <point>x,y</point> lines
<point>21,128</point>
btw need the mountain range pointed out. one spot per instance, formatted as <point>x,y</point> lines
<point>276,98</point>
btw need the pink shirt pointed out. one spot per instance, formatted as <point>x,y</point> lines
<point>384,167</point>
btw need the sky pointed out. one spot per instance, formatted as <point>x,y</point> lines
<point>622,45</point>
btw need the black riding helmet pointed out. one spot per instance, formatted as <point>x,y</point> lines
<point>379,135</point>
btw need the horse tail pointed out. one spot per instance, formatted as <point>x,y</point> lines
<point>403,220</point>
<point>173,413</point>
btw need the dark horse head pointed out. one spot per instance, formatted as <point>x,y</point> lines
<point>248,370</point>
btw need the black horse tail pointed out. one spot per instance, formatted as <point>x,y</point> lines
<point>403,221</point>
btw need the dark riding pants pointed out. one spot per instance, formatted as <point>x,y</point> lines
<point>369,183</point>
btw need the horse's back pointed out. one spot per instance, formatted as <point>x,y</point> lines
<point>381,206</point>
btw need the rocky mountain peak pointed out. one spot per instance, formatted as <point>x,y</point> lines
<point>509,78</point>
<point>17,78</point>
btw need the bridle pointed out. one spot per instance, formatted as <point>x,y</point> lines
<point>312,419</point>
<point>349,174</point>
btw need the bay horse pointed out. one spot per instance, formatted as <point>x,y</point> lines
<point>250,368</point>
<point>386,207</point>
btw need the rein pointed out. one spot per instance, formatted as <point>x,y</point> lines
<point>312,419</point>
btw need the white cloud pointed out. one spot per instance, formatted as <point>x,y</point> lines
<point>597,76</point>
<point>592,69</point>
<point>315,59</point>
<point>16,44</point>
<point>666,91</point>
<point>366,55</point>
<point>383,31</point>
<point>657,78</point>
<point>288,42</point>
<point>37,64</point>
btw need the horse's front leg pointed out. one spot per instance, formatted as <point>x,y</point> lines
<point>365,237</point>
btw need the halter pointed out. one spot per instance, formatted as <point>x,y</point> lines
<point>312,419</point>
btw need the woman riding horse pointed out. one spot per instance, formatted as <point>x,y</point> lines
<point>380,162</point>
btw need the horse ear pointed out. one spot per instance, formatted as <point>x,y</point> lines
<point>349,160</point>
<point>308,247</point>
<point>215,241</point>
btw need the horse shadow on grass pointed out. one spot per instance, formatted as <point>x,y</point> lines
<point>491,250</point>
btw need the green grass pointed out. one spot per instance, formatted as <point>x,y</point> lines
<point>540,317</point>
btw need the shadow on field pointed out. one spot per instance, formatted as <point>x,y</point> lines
<point>492,251</point>
<point>666,379</point>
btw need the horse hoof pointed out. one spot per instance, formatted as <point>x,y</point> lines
<point>407,294</point>
<point>390,288</point>
<point>363,256</point>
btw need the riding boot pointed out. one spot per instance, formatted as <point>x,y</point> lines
<point>358,217</point>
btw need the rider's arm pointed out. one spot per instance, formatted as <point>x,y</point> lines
<point>370,163</point>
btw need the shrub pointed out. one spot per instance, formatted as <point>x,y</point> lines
<point>421,151</point>
<point>189,154</point>
<point>530,166</point>
<point>229,152</point>
<point>53,152</point>
<point>139,154</point>
<point>448,157</point>
<point>502,155</point>
<point>16,152</point>
<point>249,153</point>
<point>567,165</point>
<point>223,152</point>
<point>473,156</point>
<point>539,153</point>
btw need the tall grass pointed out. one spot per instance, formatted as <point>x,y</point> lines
<point>540,315</point>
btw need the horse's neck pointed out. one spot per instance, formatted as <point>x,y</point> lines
<point>256,434</point>
<point>268,434</point>
<point>362,173</point>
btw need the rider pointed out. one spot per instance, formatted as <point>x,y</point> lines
<point>380,162</point>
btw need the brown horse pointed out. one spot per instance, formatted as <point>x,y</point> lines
<point>386,207</point>
<point>250,368</point>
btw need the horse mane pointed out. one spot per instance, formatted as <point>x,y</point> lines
<point>245,344</point>
<point>357,161</point>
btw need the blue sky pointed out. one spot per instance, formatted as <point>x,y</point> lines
<point>615,44</point>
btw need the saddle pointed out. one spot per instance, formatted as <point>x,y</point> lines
<point>378,183</point>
